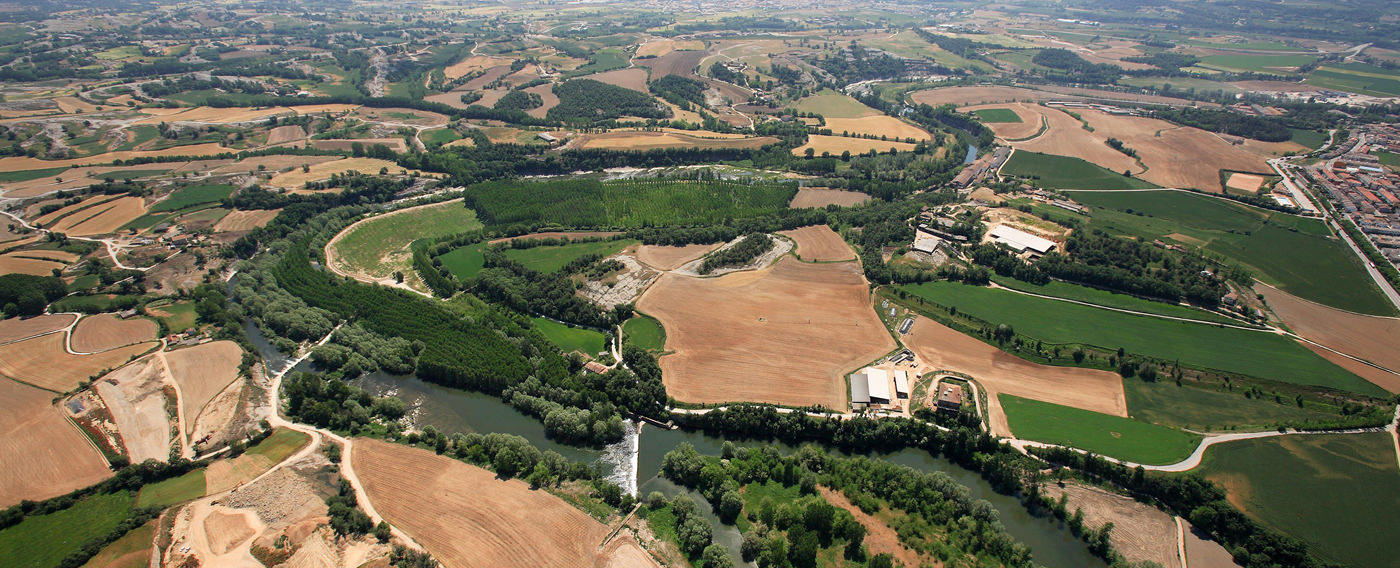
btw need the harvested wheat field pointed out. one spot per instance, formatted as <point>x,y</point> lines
<point>271,164</point>
<point>23,264</point>
<point>102,219</point>
<point>42,453</point>
<point>401,116</point>
<point>21,163</point>
<point>672,257</point>
<point>63,213</point>
<point>213,115</point>
<point>1244,182</point>
<point>15,329</point>
<point>465,516</point>
<point>962,96</point>
<point>1141,532</point>
<point>786,334</point>
<point>44,363</point>
<point>888,126</point>
<point>202,372</point>
<point>472,64</point>
<point>296,179</point>
<point>1373,338</point>
<point>821,197</point>
<point>1065,136</point>
<point>285,134</point>
<point>663,47</point>
<point>107,331</point>
<point>943,348</point>
<point>644,140</point>
<point>245,220</point>
<point>347,145</point>
<point>835,145</point>
<point>1176,156</point>
<point>819,243</point>
<point>1030,115</point>
<point>634,78</point>
<point>135,396</point>
<point>548,100</point>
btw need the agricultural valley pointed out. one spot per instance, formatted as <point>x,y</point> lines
<point>613,284</point>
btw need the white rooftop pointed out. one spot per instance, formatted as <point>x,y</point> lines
<point>879,382</point>
<point>1020,240</point>
<point>901,382</point>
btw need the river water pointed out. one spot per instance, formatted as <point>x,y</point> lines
<point>971,155</point>
<point>635,462</point>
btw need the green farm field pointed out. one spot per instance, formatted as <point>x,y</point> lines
<point>1357,78</point>
<point>997,115</point>
<point>1121,438</point>
<point>1337,492</point>
<point>1214,408</point>
<point>172,491</point>
<point>365,247</point>
<point>194,195</point>
<point>1256,63</point>
<point>130,551</point>
<point>465,262</point>
<point>1389,158</point>
<point>585,203</point>
<point>1290,252</point>
<point>832,104</point>
<point>569,339</point>
<point>645,332</point>
<point>43,541</point>
<point>1095,296</point>
<point>1064,172</point>
<point>27,175</point>
<point>548,259</point>
<point>438,136</point>
<point>282,443</point>
<point>1253,353</point>
<point>1309,138</point>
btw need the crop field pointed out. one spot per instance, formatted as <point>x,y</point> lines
<point>106,331</point>
<point>681,63</point>
<point>997,115</point>
<point>1257,354</point>
<point>1357,78</point>
<point>178,316</point>
<point>348,145</point>
<point>836,145</point>
<point>1029,120</point>
<point>42,454</point>
<point>665,46</point>
<point>589,203</point>
<point>808,197</point>
<point>172,491</point>
<point>282,443</point>
<point>881,125</point>
<point>786,334</point>
<point>130,551</point>
<point>224,474</point>
<point>570,339</point>
<point>19,328</point>
<point>819,243</point>
<point>1069,291</point>
<point>1213,408</point>
<point>44,540</point>
<point>831,104</point>
<point>1122,438</point>
<point>44,363</point>
<point>645,332</point>
<point>634,78</point>
<point>202,372</point>
<point>1256,63</point>
<point>1333,491</point>
<point>245,220</point>
<point>296,179</point>
<point>1176,156</point>
<point>646,140</point>
<point>466,516</point>
<point>465,262</point>
<point>26,264</point>
<point>1293,253</point>
<point>473,63</point>
<point>101,218</point>
<point>374,248</point>
<point>974,95</point>
<point>1063,172</point>
<point>1371,338</point>
<point>548,259</point>
<point>28,175</point>
<point>672,257</point>
<point>187,197</point>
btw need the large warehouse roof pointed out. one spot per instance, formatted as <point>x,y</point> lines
<point>1021,240</point>
<point>860,389</point>
<point>879,382</point>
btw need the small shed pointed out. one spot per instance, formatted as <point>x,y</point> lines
<point>901,384</point>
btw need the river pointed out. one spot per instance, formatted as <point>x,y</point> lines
<point>971,155</point>
<point>635,462</point>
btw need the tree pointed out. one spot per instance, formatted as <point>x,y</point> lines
<point>716,556</point>
<point>694,535</point>
<point>730,505</point>
<point>382,531</point>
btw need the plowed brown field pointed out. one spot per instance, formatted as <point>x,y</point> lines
<point>202,371</point>
<point>820,243</point>
<point>44,363</point>
<point>1176,156</point>
<point>634,78</point>
<point>674,63</point>
<point>107,331</point>
<point>821,197</point>
<point>42,454</point>
<point>786,334</point>
<point>671,258</point>
<point>999,372</point>
<point>14,329</point>
<point>466,516</point>
<point>1373,338</point>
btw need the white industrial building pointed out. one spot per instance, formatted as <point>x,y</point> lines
<point>901,384</point>
<point>1021,241</point>
<point>870,386</point>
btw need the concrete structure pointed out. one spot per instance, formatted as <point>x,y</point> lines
<point>901,384</point>
<point>860,391</point>
<point>1021,241</point>
<point>878,384</point>
<point>926,242</point>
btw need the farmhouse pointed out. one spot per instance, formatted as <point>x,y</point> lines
<point>950,398</point>
<point>1021,241</point>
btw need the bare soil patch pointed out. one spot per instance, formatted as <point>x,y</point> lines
<point>672,257</point>
<point>473,63</point>
<point>15,329</point>
<point>44,363</point>
<point>999,372</point>
<point>42,454</point>
<point>548,100</point>
<point>819,243</point>
<point>786,334</point>
<point>1140,532</point>
<point>202,372</point>
<point>821,197</point>
<point>1201,552</point>
<point>296,179</point>
<point>285,134</point>
<point>634,78</point>
<point>401,116</point>
<point>466,516</point>
<point>645,140</point>
<point>879,537</point>
<point>1372,338</point>
<point>245,220</point>
<point>107,331</point>
<point>225,474</point>
<point>1176,156</point>
<point>135,396</point>
<point>1245,182</point>
<point>1065,136</point>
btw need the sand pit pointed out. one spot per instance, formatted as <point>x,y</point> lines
<point>786,334</point>
<point>12,264</point>
<point>202,372</point>
<point>1245,182</point>
<point>821,197</point>
<point>107,331</point>
<point>634,78</point>
<point>1140,532</point>
<point>642,140</point>
<point>285,134</point>
<point>1030,115</point>
<point>672,257</point>
<point>881,125</point>
<point>819,243</point>
<point>245,220</point>
<point>942,348</point>
<point>135,396</point>
<point>42,362</point>
<point>835,145</point>
<point>226,531</point>
<point>15,329</point>
<point>1372,338</point>
<point>216,535</point>
<point>465,516</point>
<point>297,179</point>
<point>42,454</point>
